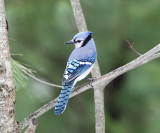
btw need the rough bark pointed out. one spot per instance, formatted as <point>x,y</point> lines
<point>99,89</point>
<point>32,127</point>
<point>7,90</point>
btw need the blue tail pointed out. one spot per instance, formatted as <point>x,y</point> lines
<point>63,98</point>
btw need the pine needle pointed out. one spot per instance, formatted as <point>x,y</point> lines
<point>20,75</point>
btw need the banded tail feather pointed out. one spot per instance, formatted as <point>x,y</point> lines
<point>63,98</point>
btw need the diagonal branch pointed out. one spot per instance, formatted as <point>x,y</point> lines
<point>105,79</point>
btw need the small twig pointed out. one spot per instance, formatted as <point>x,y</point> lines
<point>44,82</point>
<point>17,54</point>
<point>131,46</point>
<point>32,127</point>
<point>10,38</point>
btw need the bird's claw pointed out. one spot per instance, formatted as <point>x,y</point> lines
<point>91,80</point>
<point>90,83</point>
<point>76,88</point>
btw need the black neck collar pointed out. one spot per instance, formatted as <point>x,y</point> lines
<point>86,41</point>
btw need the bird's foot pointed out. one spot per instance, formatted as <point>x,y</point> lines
<point>76,88</point>
<point>91,80</point>
<point>90,83</point>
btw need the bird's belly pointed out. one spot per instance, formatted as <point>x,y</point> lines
<point>84,74</point>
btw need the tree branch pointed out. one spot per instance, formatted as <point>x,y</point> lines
<point>98,90</point>
<point>78,15</point>
<point>105,79</point>
<point>32,127</point>
<point>7,90</point>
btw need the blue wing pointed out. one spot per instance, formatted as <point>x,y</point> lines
<point>75,68</point>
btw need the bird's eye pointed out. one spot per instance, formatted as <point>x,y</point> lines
<point>79,41</point>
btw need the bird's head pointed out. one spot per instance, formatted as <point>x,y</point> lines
<point>80,39</point>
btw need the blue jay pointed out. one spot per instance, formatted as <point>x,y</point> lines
<point>79,65</point>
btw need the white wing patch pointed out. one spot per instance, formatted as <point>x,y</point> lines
<point>66,76</point>
<point>70,66</point>
<point>74,66</point>
<point>85,63</point>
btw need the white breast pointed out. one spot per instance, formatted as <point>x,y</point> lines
<point>84,74</point>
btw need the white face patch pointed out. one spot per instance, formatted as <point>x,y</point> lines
<point>78,45</point>
<point>78,42</point>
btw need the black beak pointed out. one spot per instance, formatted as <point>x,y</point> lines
<point>70,42</point>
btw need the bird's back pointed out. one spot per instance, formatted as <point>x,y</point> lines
<point>84,52</point>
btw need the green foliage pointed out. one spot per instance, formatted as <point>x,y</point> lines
<point>20,74</point>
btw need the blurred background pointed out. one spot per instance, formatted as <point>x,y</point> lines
<point>38,30</point>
